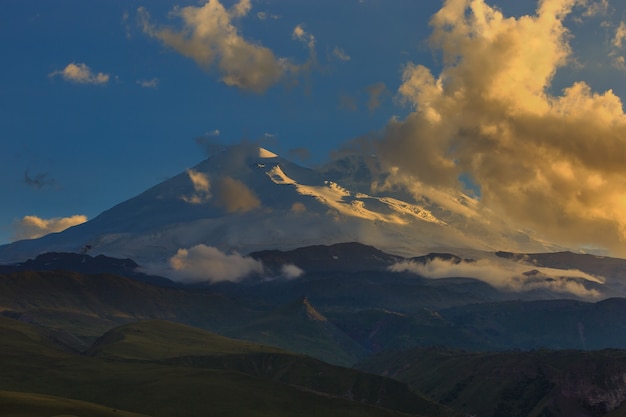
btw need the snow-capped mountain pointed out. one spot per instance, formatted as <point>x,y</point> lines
<point>246,198</point>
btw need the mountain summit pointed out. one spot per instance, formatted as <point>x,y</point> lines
<point>245,198</point>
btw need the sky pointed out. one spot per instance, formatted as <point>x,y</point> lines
<point>518,103</point>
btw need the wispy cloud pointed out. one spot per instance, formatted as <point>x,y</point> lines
<point>151,83</point>
<point>210,37</point>
<point>340,54</point>
<point>205,263</point>
<point>81,74</point>
<point>31,227</point>
<point>39,180</point>
<point>548,161</point>
<point>506,275</point>
<point>376,94</point>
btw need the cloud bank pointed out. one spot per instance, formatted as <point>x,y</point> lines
<point>31,227</point>
<point>202,263</point>
<point>506,275</point>
<point>210,37</point>
<point>81,74</point>
<point>550,161</point>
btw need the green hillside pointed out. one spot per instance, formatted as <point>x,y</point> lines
<point>150,385</point>
<point>22,404</point>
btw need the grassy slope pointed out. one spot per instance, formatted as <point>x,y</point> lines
<point>22,404</point>
<point>32,364</point>
<point>79,308</point>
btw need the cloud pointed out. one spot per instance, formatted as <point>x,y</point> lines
<point>291,271</point>
<point>201,186</point>
<point>375,91</point>
<point>31,227</point>
<point>265,16</point>
<point>81,74</point>
<point>300,34</point>
<point>211,39</point>
<point>235,197</point>
<point>552,162</point>
<point>506,275</point>
<point>620,35</point>
<point>298,207</point>
<point>340,54</point>
<point>205,263</point>
<point>151,83</point>
<point>39,181</point>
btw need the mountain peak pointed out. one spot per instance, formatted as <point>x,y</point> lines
<point>264,153</point>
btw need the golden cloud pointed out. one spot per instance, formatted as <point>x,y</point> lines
<point>210,38</point>
<point>235,197</point>
<point>32,227</point>
<point>551,162</point>
<point>81,74</point>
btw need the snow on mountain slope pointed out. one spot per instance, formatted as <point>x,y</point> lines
<point>247,198</point>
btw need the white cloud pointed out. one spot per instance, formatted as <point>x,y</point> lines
<point>506,275</point>
<point>210,38</point>
<point>81,74</point>
<point>550,162</point>
<point>291,271</point>
<point>206,263</point>
<point>31,227</point>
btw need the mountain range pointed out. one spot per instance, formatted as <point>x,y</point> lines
<point>246,199</point>
<point>284,290</point>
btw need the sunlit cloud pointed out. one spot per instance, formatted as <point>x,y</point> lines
<point>210,37</point>
<point>201,186</point>
<point>506,275</point>
<point>31,227</point>
<point>81,74</point>
<point>234,196</point>
<point>202,263</point>
<point>302,35</point>
<point>551,162</point>
<point>620,35</point>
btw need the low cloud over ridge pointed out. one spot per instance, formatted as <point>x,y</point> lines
<point>506,275</point>
<point>205,263</point>
<point>552,162</point>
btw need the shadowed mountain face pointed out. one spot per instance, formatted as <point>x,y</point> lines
<point>514,384</point>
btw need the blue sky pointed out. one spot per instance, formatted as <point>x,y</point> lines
<point>98,102</point>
